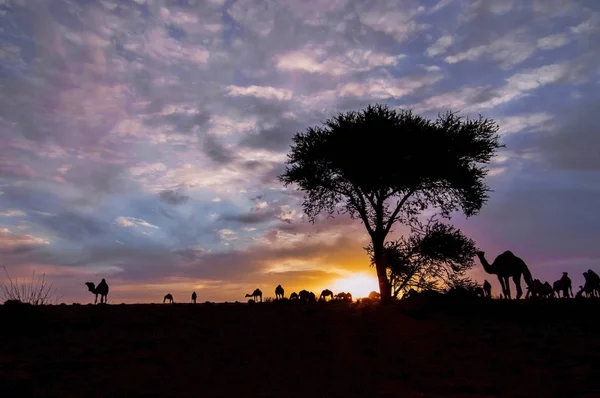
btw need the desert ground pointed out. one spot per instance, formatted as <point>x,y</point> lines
<point>413,348</point>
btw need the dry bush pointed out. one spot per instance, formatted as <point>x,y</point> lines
<point>37,291</point>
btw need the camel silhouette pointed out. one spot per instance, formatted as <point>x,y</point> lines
<point>279,292</point>
<point>256,293</point>
<point>326,293</point>
<point>592,283</point>
<point>306,296</point>
<point>487,289</point>
<point>563,285</point>
<point>101,289</point>
<point>294,296</point>
<point>168,297</point>
<point>344,296</point>
<point>505,266</point>
<point>539,289</point>
<point>579,294</point>
<point>194,297</point>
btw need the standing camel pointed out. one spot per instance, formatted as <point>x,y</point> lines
<point>508,265</point>
<point>168,297</point>
<point>194,297</point>
<point>279,292</point>
<point>101,289</point>
<point>592,283</point>
<point>325,293</point>
<point>256,293</point>
<point>563,285</point>
<point>487,289</point>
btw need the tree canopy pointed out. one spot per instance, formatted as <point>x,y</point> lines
<point>385,166</point>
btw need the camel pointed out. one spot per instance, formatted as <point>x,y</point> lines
<point>168,297</point>
<point>579,294</point>
<point>326,293</point>
<point>256,293</point>
<point>564,285</point>
<point>101,289</point>
<point>508,265</point>
<point>279,292</point>
<point>306,296</point>
<point>344,296</point>
<point>194,297</point>
<point>487,289</point>
<point>294,296</point>
<point>592,283</point>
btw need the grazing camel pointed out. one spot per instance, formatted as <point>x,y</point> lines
<point>487,289</point>
<point>101,289</point>
<point>326,293</point>
<point>294,296</point>
<point>306,296</point>
<point>256,293</point>
<point>344,296</point>
<point>279,292</point>
<point>168,297</point>
<point>564,285</point>
<point>508,265</point>
<point>194,297</point>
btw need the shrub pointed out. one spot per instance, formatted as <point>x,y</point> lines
<point>38,291</point>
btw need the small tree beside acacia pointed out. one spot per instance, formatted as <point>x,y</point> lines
<point>435,256</point>
<point>385,167</point>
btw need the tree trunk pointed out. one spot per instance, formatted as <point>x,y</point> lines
<point>385,287</point>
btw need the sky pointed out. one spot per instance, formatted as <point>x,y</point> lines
<point>141,140</point>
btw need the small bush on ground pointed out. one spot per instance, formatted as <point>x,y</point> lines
<point>38,291</point>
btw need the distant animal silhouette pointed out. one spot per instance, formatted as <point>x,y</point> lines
<point>507,265</point>
<point>592,283</point>
<point>487,289</point>
<point>101,289</point>
<point>194,297</point>
<point>256,293</point>
<point>294,296</point>
<point>344,296</point>
<point>326,293</point>
<point>306,296</point>
<point>168,297</point>
<point>579,294</point>
<point>563,285</point>
<point>279,292</point>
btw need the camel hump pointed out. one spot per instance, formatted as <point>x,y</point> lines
<point>508,253</point>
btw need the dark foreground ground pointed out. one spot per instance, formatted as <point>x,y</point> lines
<point>411,349</point>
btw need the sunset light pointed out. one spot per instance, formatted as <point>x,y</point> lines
<point>360,285</point>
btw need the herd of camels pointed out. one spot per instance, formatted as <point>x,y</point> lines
<point>505,266</point>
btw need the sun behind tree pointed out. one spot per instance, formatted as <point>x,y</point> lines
<point>385,166</point>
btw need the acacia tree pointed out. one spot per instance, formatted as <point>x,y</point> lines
<point>434,256</point>
<point>386,166</point>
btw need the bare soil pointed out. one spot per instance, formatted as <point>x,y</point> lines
<point>413,348</point>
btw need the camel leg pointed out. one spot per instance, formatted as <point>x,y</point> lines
<point>96,299</point>
<point>517,281</point>
<point>502,285</point>
<point>507,285</point>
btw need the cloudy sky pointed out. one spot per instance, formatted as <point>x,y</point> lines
<point>141,139</point>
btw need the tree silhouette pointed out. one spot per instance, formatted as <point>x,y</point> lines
<point>385,166</point>
<point>435,256</point>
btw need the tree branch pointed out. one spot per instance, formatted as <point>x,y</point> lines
<point>399,205</point>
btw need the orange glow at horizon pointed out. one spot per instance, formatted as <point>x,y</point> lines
<point>360,285</point>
